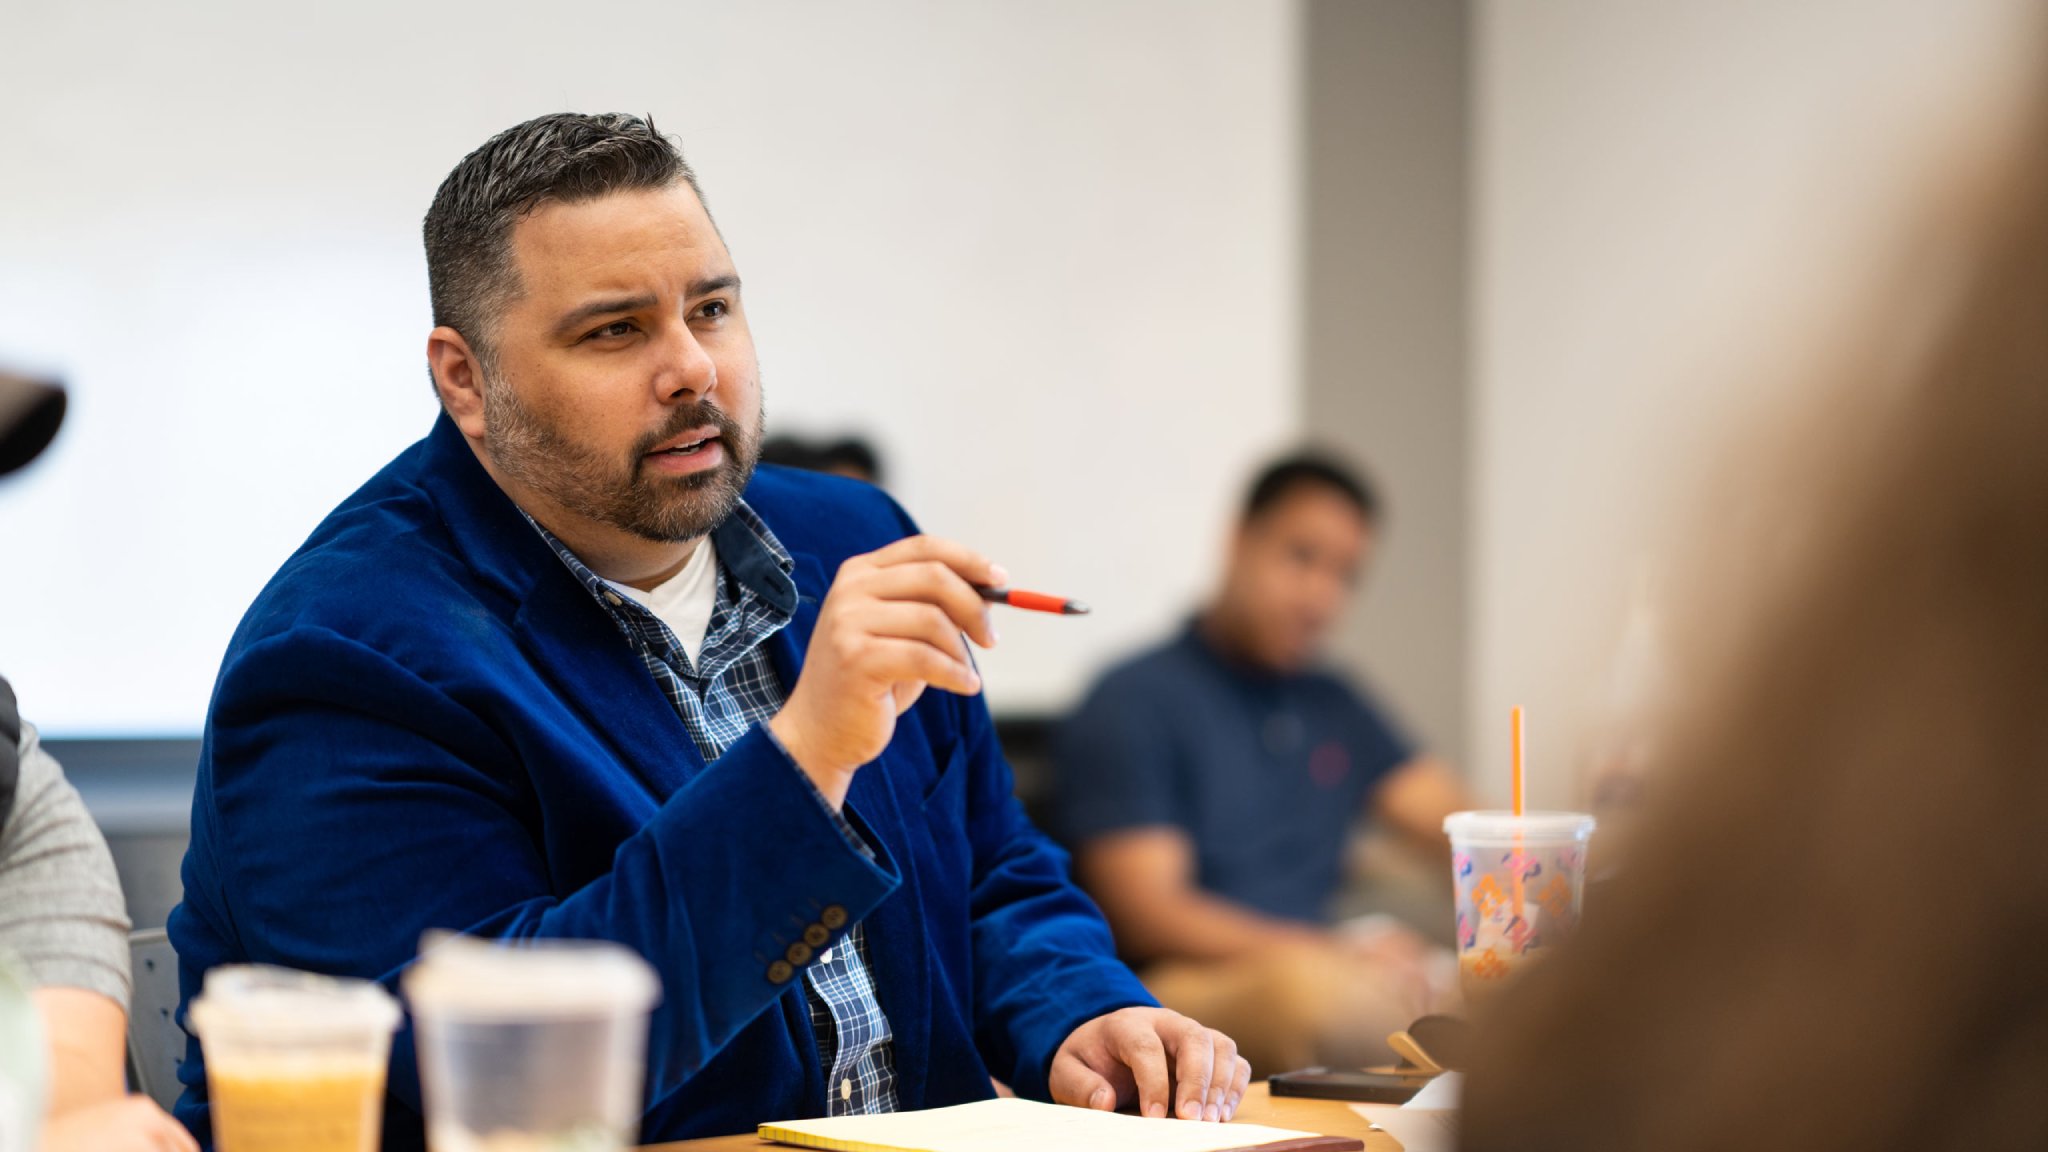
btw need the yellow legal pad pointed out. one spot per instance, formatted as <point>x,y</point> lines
<point>1024,1126</point>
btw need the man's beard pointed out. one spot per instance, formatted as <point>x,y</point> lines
<point>618,492</point>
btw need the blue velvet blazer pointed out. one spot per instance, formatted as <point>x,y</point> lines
<point>424,721</point>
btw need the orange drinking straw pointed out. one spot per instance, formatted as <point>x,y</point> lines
<point>1515,718</point>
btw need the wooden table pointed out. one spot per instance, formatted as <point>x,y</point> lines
<point>1330,1117</point>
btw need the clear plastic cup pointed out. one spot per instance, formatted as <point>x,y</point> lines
<point>530,1044</point>
<point>294,1062</point>
<point>1520,882</point>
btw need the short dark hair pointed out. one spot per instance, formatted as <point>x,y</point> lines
<point>566,157</point>
<point>851,452</point>
<point>848,452</point>
<point>1310,469</point>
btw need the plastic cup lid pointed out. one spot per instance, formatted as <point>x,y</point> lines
<point>1540,827</point>
<point>268,1000</point>
<point>462,977</point>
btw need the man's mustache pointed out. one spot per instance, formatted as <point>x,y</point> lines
<point>683,420</point>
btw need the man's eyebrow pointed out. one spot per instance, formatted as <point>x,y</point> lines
<point>730,281</point>
<point>613,305</point>
<point>604,306</point>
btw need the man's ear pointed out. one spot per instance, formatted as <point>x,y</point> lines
<point>459,378</point>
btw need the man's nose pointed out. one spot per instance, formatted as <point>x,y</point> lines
<point>687,371</point>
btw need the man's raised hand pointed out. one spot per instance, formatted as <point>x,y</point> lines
<point>890,626</point>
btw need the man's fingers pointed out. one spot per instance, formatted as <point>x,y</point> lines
<point>1194,1053</point>
<point>905,693</point>
<point>931,582</point>
<point>166,1133</point>
<point>1171,1064</point>
<point>1221,1076</point>
<point>1137,1044</point>
<point>971,565</point>
<point>897,660</point>
<point>1074,1083</point>
<point>921,622</point>
<point>885,647</point>
<point>1238,1084</point>
<point>129,1124</point>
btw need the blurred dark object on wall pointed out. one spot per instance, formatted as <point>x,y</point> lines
<point>30,411</point>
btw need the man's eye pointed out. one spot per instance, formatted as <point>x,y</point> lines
<point>613,330</point>
<point>713,309</point>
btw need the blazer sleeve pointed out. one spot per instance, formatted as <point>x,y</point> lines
<point>408,812</point>
<point>1044,961</point>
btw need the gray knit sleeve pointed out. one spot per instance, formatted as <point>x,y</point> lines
<point>61,911</point>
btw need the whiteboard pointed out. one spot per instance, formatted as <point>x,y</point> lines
<point>1044,254</point>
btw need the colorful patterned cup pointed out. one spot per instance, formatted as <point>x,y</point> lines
<point>1520,881</point>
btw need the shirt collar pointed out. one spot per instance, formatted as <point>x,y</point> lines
<point>747,548</point>
<point>751,552</point>
<point>1197,640</point>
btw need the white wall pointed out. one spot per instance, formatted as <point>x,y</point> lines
<point>1670,200</point>
<point>1045,253</point>
<point>1384,375</point>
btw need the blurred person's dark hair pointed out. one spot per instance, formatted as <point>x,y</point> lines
<point>853,457</point>
<point>1309,469</point>
<point>1829,931</point>
<point>30,411</point>
<point>564,158</point>
<point>790,452</point>
<point>848,456</point>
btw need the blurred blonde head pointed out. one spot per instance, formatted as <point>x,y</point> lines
<point>1832,927</point>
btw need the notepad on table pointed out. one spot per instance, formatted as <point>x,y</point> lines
<point>1009,1125</point>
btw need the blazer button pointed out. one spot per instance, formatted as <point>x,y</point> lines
<point>780,972</point>
<point>816,935</point>
<point>833,917</point>
<point>799,953</point>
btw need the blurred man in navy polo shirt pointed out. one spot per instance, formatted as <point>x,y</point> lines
<point>1210,787</point>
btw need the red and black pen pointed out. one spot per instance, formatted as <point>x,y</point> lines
<point>1032,601</point>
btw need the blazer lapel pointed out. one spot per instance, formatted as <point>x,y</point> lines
<point>596,672</point>
<point>786,648</point>
<point>574,644</point>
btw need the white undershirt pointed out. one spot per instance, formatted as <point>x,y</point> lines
<point>685,600</point>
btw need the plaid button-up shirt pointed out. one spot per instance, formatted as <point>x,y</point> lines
<point>731,688</point>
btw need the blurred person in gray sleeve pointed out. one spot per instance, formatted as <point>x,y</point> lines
<point>62,919</point>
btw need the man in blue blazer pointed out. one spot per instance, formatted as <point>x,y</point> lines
<point>571,667</point>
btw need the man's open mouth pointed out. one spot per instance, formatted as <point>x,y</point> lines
<point>689,443</point>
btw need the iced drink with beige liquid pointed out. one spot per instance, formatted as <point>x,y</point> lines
<point>294,1062</point>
